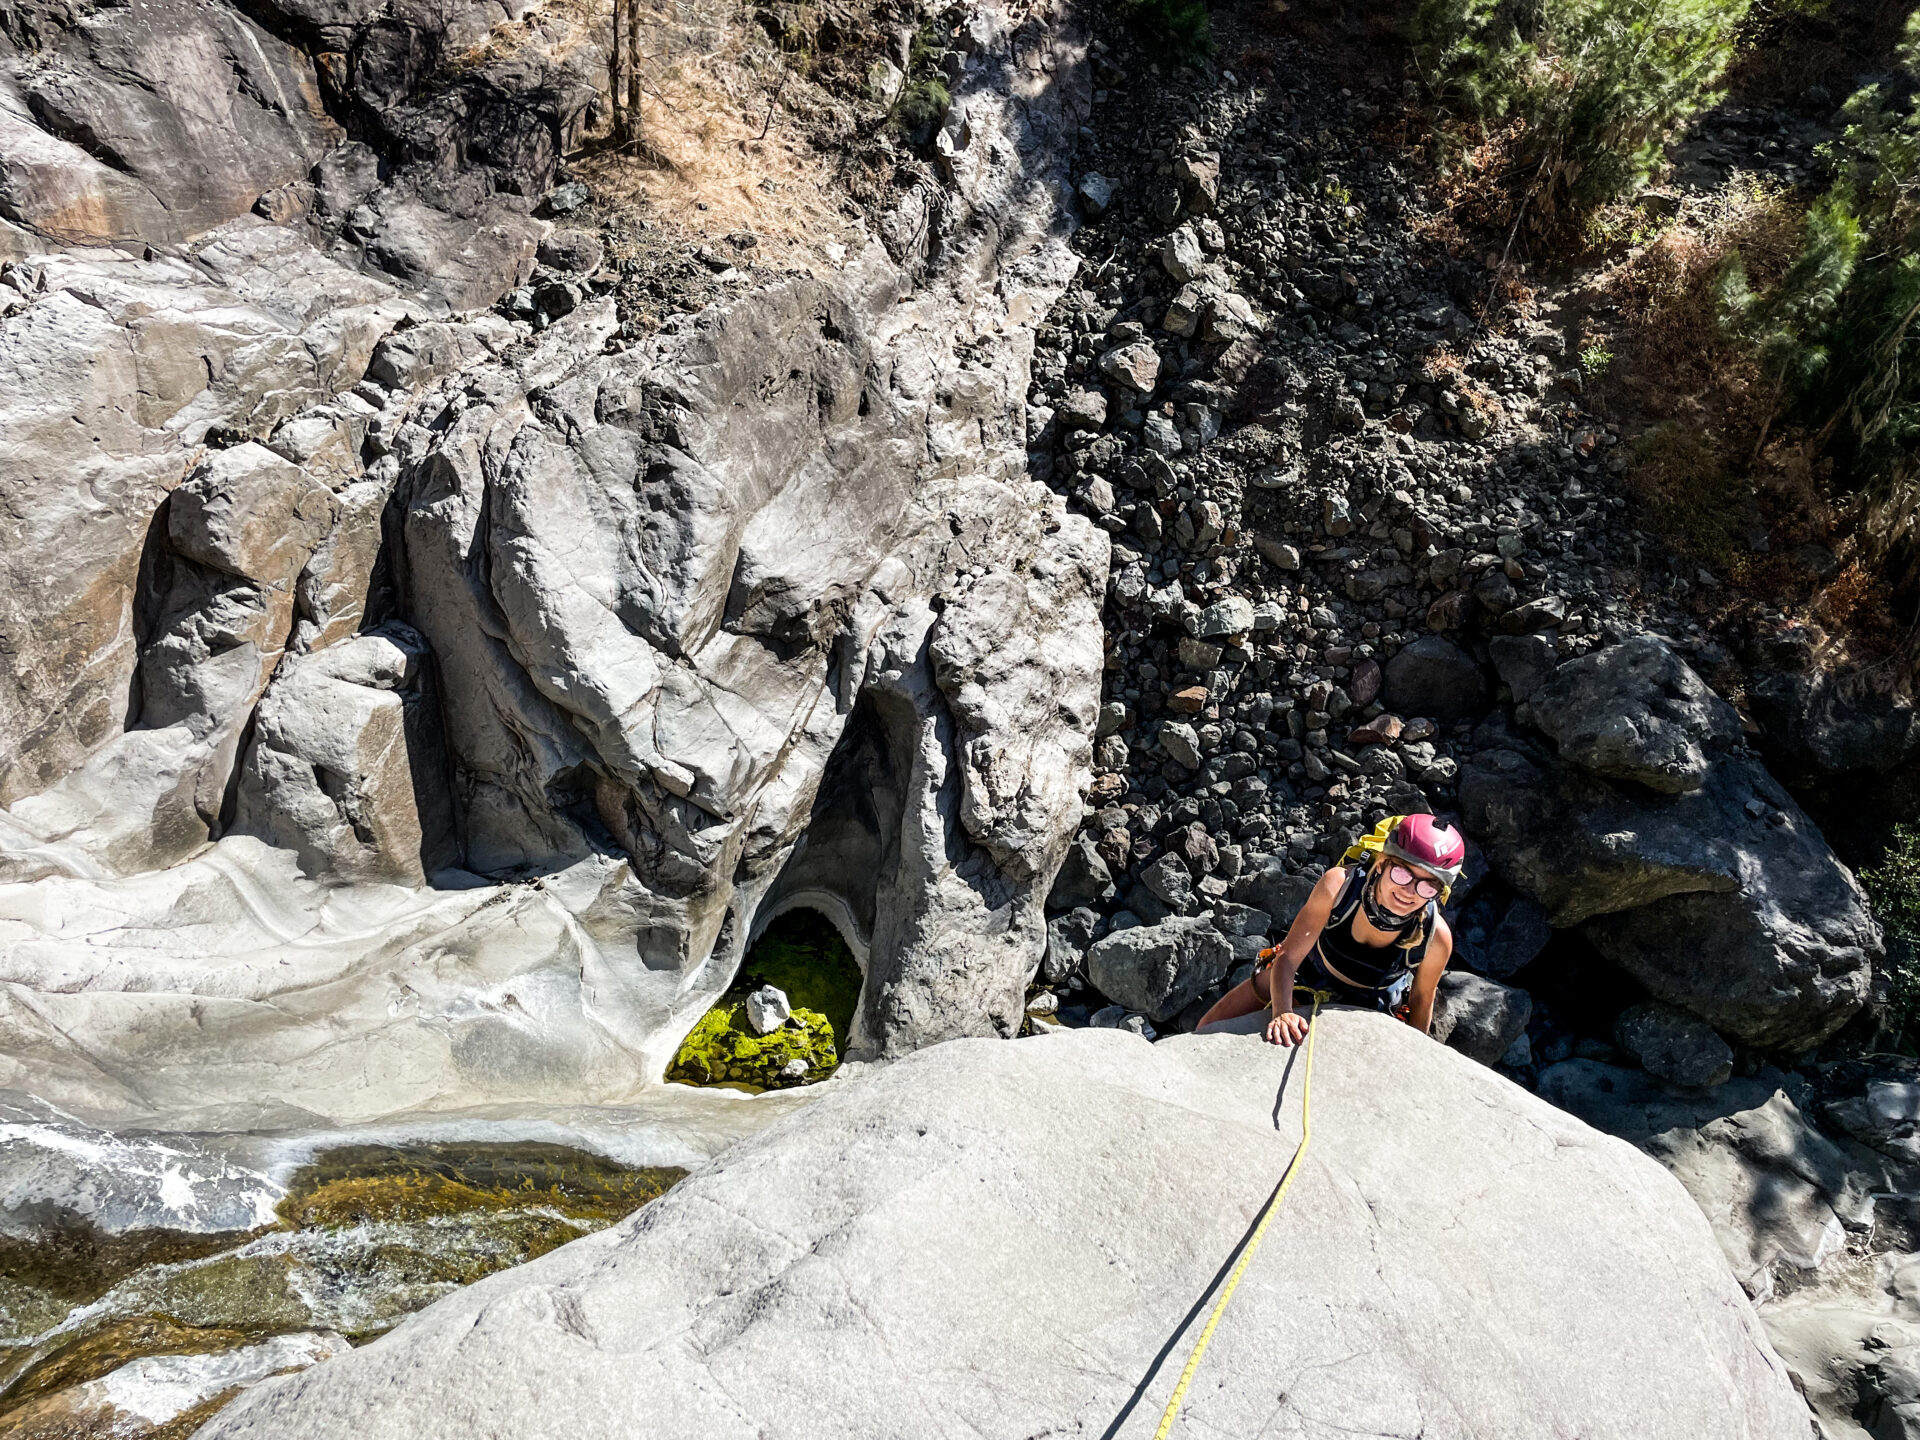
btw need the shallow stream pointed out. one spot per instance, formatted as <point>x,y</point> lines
<point>148,1276</point>
<point>140,1332</point>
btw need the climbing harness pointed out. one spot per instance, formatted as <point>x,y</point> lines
<point>1259,1231</point>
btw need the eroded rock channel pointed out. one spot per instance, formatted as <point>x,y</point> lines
<point>938,537</point>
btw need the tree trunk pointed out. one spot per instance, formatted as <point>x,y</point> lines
<point>624,65</point>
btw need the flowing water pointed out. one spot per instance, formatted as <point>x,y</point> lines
<point>100,1331</point>
<point>147,1277</point>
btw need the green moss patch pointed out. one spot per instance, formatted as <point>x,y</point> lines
<point>803,955</point>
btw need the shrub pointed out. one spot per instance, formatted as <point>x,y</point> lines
<point>1591,88</point>
<point>921,105</point>
<point>1182,25</point>
<point>1894,888</point>
<point>1836,335</point>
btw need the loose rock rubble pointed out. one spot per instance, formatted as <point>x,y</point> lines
<point>1358,511</point>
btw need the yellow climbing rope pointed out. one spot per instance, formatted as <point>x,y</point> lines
<point>1259,1231</point>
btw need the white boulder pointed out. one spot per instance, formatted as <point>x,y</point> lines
<point>927,1250</point>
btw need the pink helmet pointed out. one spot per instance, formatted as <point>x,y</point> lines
<point>1422,840</point>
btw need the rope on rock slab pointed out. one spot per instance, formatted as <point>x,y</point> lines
<point>1273,1205</point>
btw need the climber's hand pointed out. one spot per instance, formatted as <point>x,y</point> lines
<point>1287,1028</point>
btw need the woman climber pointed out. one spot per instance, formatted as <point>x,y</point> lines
<point>1370,934</point>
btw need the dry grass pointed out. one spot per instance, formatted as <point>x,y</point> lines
<point>1470,196</point>
<point>1681,364</point>
<point>728,130</point>
<point>729,126</point>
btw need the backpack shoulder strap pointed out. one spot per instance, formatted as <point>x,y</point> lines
<point>1347,901</point>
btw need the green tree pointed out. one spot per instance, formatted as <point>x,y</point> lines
<point>1837,336</point>
<point>1894,888</point>
<point>1595,86</point>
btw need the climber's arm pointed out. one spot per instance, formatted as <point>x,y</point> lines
<point>1426,980</point>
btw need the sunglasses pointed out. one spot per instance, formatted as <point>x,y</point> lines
<point>1400,875</point>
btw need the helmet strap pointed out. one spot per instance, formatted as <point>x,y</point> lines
<point>1378,915</point>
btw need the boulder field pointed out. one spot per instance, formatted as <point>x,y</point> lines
<point>999,1239</point>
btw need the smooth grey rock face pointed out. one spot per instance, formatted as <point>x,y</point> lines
<point>761,611</point>
<point>1160,969</point>
<point>1853,1343</point>
<point>1780,1196</point>
<point>1480,1018</point>
<point>346,767</point>
<point>1673,1045</point>
<point>153,123</point>
<point>147,355</point>
<point>1636,711</point>
<point>868,1268</point>
<point>1434,677</point>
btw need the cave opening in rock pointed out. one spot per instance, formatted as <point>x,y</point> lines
<point>746,1042</point>
<point>1578,987</point>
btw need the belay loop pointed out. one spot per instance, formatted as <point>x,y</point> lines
<point>1259,1232</point>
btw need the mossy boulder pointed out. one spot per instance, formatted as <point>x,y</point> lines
<point>802,955</point>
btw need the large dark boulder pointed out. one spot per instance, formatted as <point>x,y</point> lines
<point>1636,711</point>
<point>1724,900</point>
<point>1435,677</point>
<point>1480,1018</point>
<point>1160,969</point>
<point>1689,865</point>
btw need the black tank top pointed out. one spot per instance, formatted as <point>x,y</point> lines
<point>1375,967</point>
